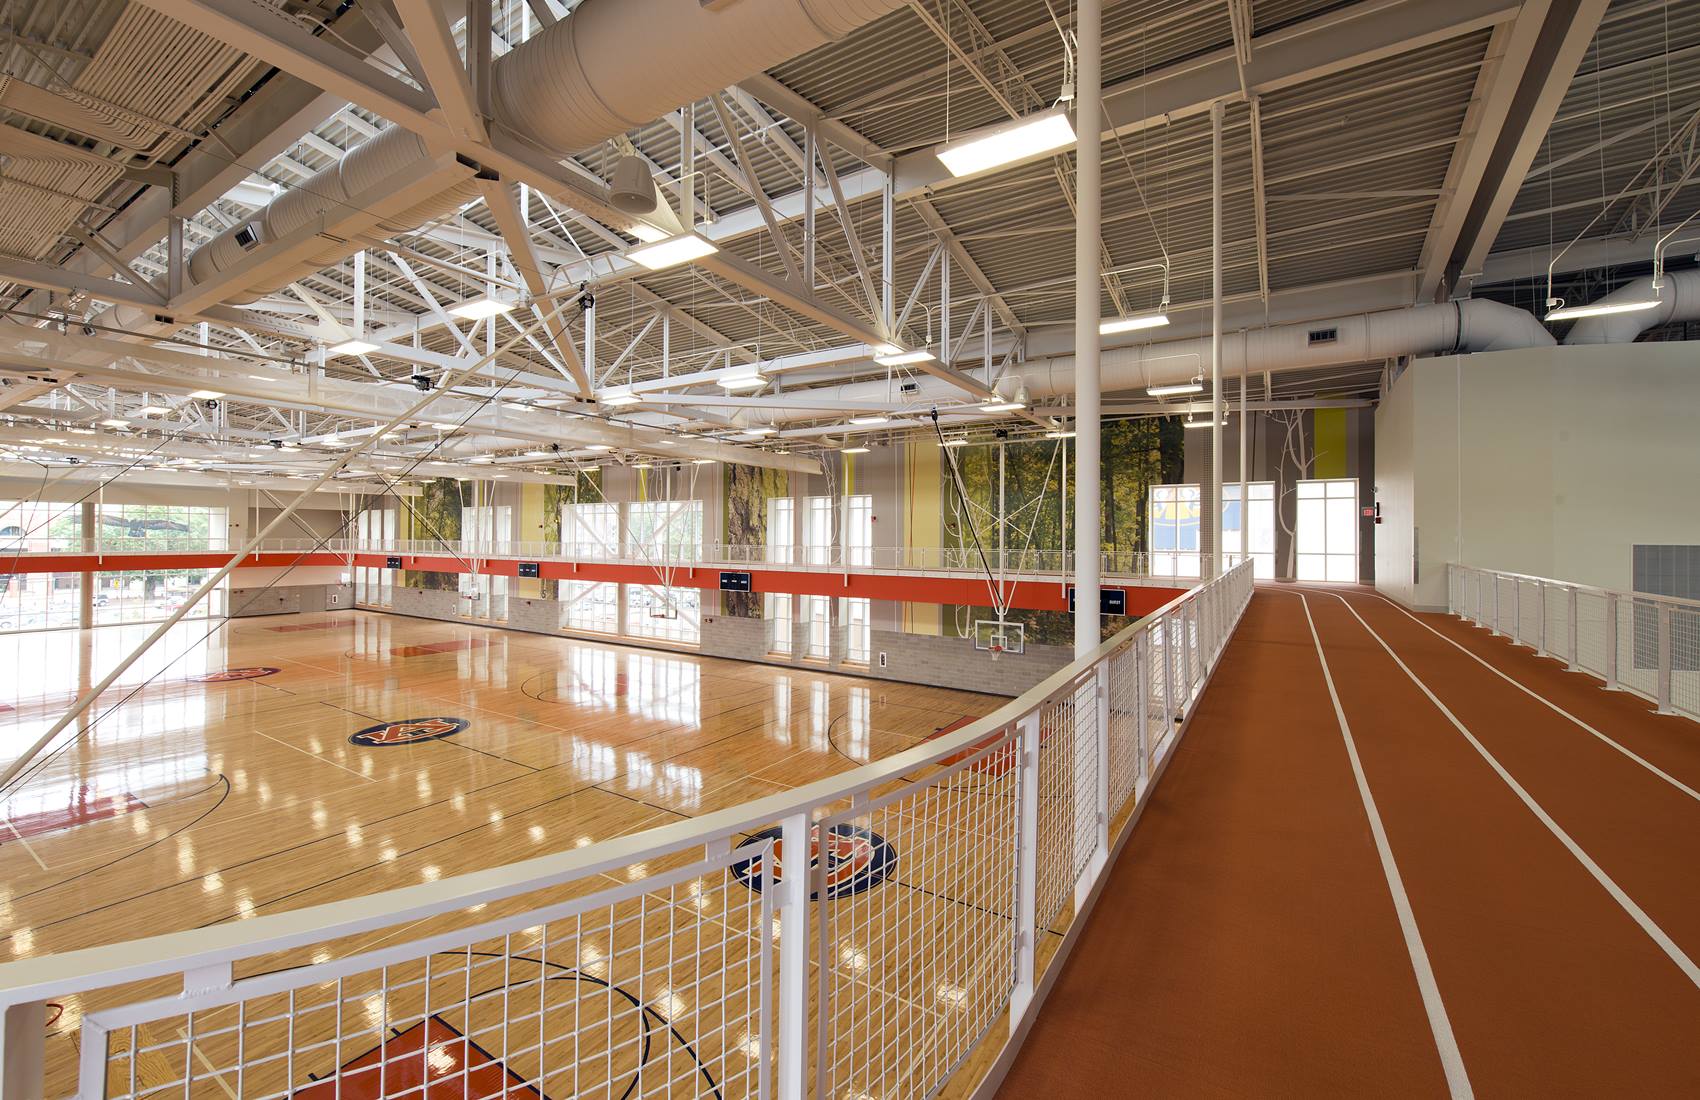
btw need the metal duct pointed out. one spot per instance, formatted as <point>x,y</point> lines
<point>1679,300</point>
<point>609,66</point>
<point>1467,326</point>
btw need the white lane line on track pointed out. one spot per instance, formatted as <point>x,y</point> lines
<point>1645,763</point>
<point>1636,913</point>
<point>1451,1059</point>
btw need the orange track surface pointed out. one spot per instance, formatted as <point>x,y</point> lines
<point>1247,942</point>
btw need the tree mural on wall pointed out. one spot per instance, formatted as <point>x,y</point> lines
<point>435,517</point>
<point>1038,507</point>
<point>747,491</point>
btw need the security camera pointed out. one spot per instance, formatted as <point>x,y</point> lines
<point>277,444</point>
<point>421,382</point>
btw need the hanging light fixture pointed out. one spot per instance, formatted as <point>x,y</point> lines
<point>1008,142</point>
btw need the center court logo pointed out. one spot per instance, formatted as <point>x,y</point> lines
<point>408,731</point>
<point>230,674</point>
<point>856,860</point>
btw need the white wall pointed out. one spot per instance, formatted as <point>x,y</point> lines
<point>1549,461</point>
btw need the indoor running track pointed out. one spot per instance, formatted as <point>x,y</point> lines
<point>1443,865</point>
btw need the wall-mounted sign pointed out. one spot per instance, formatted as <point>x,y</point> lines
<point>530,569</point>
<point>735,582</point>
<point>1111,601</point>
<point>392,562</point>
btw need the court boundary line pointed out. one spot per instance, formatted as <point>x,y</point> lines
<point>314,755</point>
<point>1624,901</point>
<point>1434,1005</point>
<point>1532,693</point>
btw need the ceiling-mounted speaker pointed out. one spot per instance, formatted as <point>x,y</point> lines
<point>631,189</point>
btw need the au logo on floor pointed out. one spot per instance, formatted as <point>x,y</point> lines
<point>856,859</point>
<point>408,731</point>
<point>228,675</point>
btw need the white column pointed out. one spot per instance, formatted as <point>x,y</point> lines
<point>1088,388</point>
<point>1216,334</point>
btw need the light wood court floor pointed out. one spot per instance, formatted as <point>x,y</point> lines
<point>197,802</point>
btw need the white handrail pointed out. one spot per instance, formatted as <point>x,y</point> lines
<point>1638,642</point>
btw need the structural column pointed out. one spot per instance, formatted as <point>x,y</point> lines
<point>1216,341</point>
<point>90,578</point>
<point>1087,383</point>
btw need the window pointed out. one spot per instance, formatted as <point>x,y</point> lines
<point>1174,530</point>
<point>858,633</point>
<point>588,605</point>
<point>1262,518</point>
<point>37,601</point>
<point>486,529</point>
<point>142,596</point>
<point>781,529</point>
<point>1326,538</point>
<point>817,531</point>
<point>590,531</point>
<point>160,527</point>
<point>859,530</point>
<point>668,614</point>
<point>374,529</point>
<point>664,530</point>
<point>777,608</point>
<point>817,627</point>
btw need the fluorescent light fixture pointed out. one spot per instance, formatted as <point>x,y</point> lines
<point>956,441</point>
<point>671,252</point>
<point>1059,435</point>
<point>854,450</point>
<point>702,462</point>
<point>869,421</point>
<point>598,447</point>
<point>744,382</point>
<point>649,234</point>
<point>886,349</point>
<point>115,423</point>
<point>477,309</point>
<point>442,427</point>
<point>1194,386</point>
<point>352,347</point>
<point>152,410</point>
<point>537,454</point>
<point>904,358</point>
<point>336,441</point>
<point>1003,406</point>
<point>616,400</point>
<point>1191,423</point>
<point>1007,143</point>
<point>1113,325</point>
<point>757,433</point>
<point>1599,309</point>
<point>643,465</point>
<point>206,395</point>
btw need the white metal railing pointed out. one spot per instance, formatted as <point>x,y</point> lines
<point>1120,563</point>
<point>1646,644</point>
<point>685,960</point>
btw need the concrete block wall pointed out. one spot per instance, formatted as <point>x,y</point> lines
<point>289,599</point>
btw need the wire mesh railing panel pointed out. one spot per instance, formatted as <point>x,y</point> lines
<point>1685,661</point>
<point>653,988</point>
<point>914,968</point>
<point>1086,770</point>
<point>1058,750</point>
<point>1504,604</point>
<point>1638,645</point>
<point>1528,606</point>
<point>1556,622</point>
<point>1592,639</point>
<point>1127,725</point>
